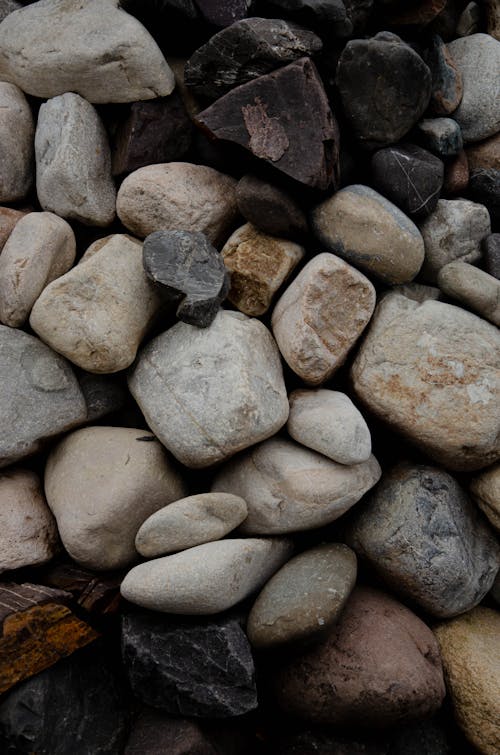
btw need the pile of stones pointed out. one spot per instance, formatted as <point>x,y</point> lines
<point>250,377</point>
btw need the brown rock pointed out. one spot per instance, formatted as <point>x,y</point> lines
<point>269,208</point>
<point>485,489</point>
<point>492,9</point>
<point>456,175</point>
<point>95,593</point>
<point>485,154</point>
<point>8,219</point>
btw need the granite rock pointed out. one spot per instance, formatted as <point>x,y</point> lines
<point>447,87</point>
<point>269,208</point>
<point>441,136</point>
<point>485,490</point>
<point>16,143</point>
<point>473,288</point>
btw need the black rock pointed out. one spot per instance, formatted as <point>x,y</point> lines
<point>202,668</point>
<point>223,12</point>
<point>327,17</point>
<point>447,85</point>
<point>189,269</point>
<point>484,187</point>
<point>155,733</point>
<point>176,25</point>
<point>283,118</point>
<point>409,176</point>
<point>246,50</point>
<point>359,13</point>
<point>427,737</point>
<point>491,254</point>
<point>443,136</point>
<point>385,87</point>
<point>103,394</point>
<point>269,208</point>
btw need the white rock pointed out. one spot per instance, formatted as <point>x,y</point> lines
<point>16,143</point>
<point>473,287</point>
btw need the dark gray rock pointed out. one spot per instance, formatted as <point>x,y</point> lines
<point>427,737</point>
<point>269,208</point>
<point>409,176</point>
<point>484,187</point>
<point>421,533</point>
<point>103,394</point>
<point>223,12</point>
<point>201,668</point>
<point>441,136</point>
<point>359,13</point>
<point>447,87</point>
<point>491,254</point>
<point>328,17</point>
<point>188,268</point>
<point>154,733</point>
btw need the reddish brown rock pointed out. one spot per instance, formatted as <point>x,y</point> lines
<point>485,154</point>
<point>8,219</point>
<point>456,175</point>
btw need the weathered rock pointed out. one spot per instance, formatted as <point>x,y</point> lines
<point>259,264</point>
<point>327,17</point>
<point>321,315</point>
<point>269,208</point>
<point>201,668</point>
<point>469,649</point>
<point>177,197</point>
<point>101,484</point>
<point>191,521</point>
<point>73,161</point>
<point>430,371</point>
<point>472,287</point>
<point>485,154</point>
<point>361,225</point>
<point>441,136</point>
<point>478,59</point>
<point>379,664</point>
<point>97,314</point>
<point>226,383</point>
<point>484,187</point>
<point>447,86</point>
<point>289,488</point>
<point>305,597</point>
<point>40,248</point>
<point>256,116</point>
<point>485,489</point>
<point>456,175</point>
<point>188,268</point>
<point>94,49</point>
<point>155,733</point>
<point>16,143</point>
<point>491,254</point>
<point>8,220</point>
<point>40,395</point>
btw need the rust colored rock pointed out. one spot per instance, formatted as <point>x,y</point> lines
<point>8,219</point>
<point>456,175</point>
<point>485,154</point>
<point>447,84</point>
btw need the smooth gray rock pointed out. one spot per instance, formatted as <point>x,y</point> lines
<point>472,287</point>
<point>16,143</point>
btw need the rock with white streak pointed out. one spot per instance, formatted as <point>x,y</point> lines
<point>16,143</point>
<point>472,287</point>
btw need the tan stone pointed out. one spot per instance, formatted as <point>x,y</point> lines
<point>8,220</point>
<point>470,650</point>
<point>319,318</point>
<point>485,154</point>
<point>473,287</point>
<point>485,489</point>
<point>259,264</point>
<point>16,142</point>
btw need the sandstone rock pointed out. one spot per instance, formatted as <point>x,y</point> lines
<point>485,154</point>
<point>485,489</point>
<point>430,370</point>
<point>226,387</point>
<point>441,136</point>
<point>101,484</point>
<point>473,288</point>
<point>8,220</point>
<point>92,48</point>
<point>40,248</point>
<point>269,208</point>
<point>319,318</point>
<point>447,86</point>
<point>97,314</point>
<point>289,488</point>
<point>16,143</point>
<point>258,264</point>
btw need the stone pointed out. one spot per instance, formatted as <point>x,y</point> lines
<point>258,264</point>
<point>484,187</point>
<point>329,423</point>
<point>245,50</point>
<point>456,175</point>
<point>8,6</point>
<point>40,248</point>
<point>454,231</point>
<point>201,668</point>
<point>304,598</point>
<point>385,88</point>
<point>16,143</point>
<point>327,17</point>
<point>177,197</point>
<point>226,387</point>
<point>96,594</point>
<point>154,733</point>
<point>473,288</point>
<point>206,579</point>
<point>441,136</point>
<point>469,20</point>
<point>28,532</point>
<point>40,395</point>
<point>485,154</point>
<point>84,692</point>
<point>379,664</point>
<point>256,116</point>
<point>370,232</point>
<point>359,13</point>
<point>288,488</point>
<point>416,17</point>
<point>223,13</point>
<point>421,533</point>
<point>269,208</point>
<point>469,649</point>
<point>8,220</point>
<point>156,131</point>
<point>478,59</point>
<point>430,371</point>
<point>94,49</point>
<point>191,521</point>
<point>187,268</point>
<point>97,314</point>
<point>73,161</point>
<point>103,395</point>
<point>321,315</point>
<point>447,86</point>
<point>485,490</point>
<point>409,176</point>
<point>490,246</point>
<point>492,12</point>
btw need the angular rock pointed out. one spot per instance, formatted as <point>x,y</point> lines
<point>73,161</point>
<point>321,315</point>
<point>40,248</point>
<point>478,60</point>
<point>256,116</point>
<point>8,220</point>
<point>485,154</point>
<point>96,594</point>
<point>188,268</point>
<point>201,668</point>
<point>226,387</point>
<point>191,521</point>
<point>430,371</point>
<point>473,288</point>
<point>379,664</point>
<point>441,136</point>
<point>456,175</point>
<point>327,17</point>
<point>289,488</point>
<point>155,733</point>
<point>98,313</point>
<point>304,598</point>
<point>101,484</point>
<point>367,230</point>
<point>40,395</point>
<point>447,86</point>
<point>259,264</point>
<point>491,254</point>
<point>484,187</point>
<point>485,490</point>
<point>16,143</point>
<point>177,197</point>
<point>94,49</point>
<point>328,422</point>
<point>269,208</point>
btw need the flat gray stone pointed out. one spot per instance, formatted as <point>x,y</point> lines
<point>472,287</point>
<point>16,143</point>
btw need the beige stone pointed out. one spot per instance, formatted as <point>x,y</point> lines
<point>8,220</point>
<point>16,142</point>
<point>484,154</point>
<point>319,318</point>
<point>472,287</point>
<point>485,489</point>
